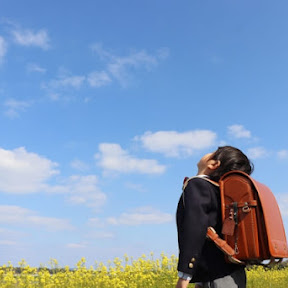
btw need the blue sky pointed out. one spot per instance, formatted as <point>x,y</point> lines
<point>105,106</point>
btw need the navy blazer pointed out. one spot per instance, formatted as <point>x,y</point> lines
<point>198,208</point>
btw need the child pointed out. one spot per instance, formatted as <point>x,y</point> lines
<point>200,261</point>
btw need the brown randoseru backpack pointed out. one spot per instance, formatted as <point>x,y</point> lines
<point>252,226</point>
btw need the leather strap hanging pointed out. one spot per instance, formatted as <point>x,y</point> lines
<point>222,245</point>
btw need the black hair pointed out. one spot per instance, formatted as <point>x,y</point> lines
<point>230,159</point>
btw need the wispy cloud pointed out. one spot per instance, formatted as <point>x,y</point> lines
<point>14,107</point>
<point>64,81</point>
<point>3,49</point>
<point>18,216</point>
<point>96,222</point>
<point>30,38</point>
<point>141,216</point>
<point>121,68</point>
<point>8,243</point>
<point>282,154</point>
<point>257,152</point>
<point>33,67</point>
<point>98,79</point>
<point>112,157</point>
<point>175,144</point>
<point>77,245</point>
<point>79,165</point>
<point>115,69</point>
<point>85,190</point>
<point>74,81</point>
<point>80,190</point>
<point>11,236</point>
<point>239,131</point>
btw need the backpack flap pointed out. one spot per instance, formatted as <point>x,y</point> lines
<point>273,221</point>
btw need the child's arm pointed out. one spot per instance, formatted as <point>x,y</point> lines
<point>182,283</point>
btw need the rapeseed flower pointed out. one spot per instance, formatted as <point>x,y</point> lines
<point>144,272</point>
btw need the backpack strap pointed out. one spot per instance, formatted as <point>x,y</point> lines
<point>211,233</point>
<point>223,245</point>
<point>187,179</point>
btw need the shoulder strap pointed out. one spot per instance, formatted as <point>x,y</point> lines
<point>187,179</point>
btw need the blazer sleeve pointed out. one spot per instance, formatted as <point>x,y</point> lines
<point>192,223</point>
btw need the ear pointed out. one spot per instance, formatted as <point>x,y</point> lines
<point>213,164</point>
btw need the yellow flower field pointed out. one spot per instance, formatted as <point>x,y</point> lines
<point>120,273</point>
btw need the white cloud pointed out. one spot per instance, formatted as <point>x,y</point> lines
<point>19,216</point>
<point>238,131</point>
<point>32,67</point>
<point>14,107</point>
<point>63,82</point>
<point>79,165</point>
<point>140,216</point>
<point>3,49</point>
<point>98,79</point>
<point>101,52</point>
<point>85,190</point>
<point>112,157</point>
<point>54,96</point>
<point>115,68</point>
<point>282,154</point>
<point>11,234</point>
<point>68,81</point>
<point>163,53</point>
<point>24,172</point>
<point>26,37</point>
<point>175,144</point>
<point>8,243</point>
<point>121,67</point>
<point>257,152</point>
<point>81,190</point>
<point>96,222</point>
<point>77,245</point>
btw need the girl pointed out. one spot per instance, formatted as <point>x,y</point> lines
<point>199,207</point>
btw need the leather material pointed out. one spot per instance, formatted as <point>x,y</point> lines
<point>259,233</point>
<point>273,222</point>
<point>222,245</point>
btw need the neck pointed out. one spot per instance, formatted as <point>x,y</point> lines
<point>203,172</point>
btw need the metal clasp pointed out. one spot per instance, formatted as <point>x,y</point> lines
<point>236,249</point>
<point>246,208</point>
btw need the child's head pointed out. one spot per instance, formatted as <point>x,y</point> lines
<point>224,159</point>
<point>229,159</point>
